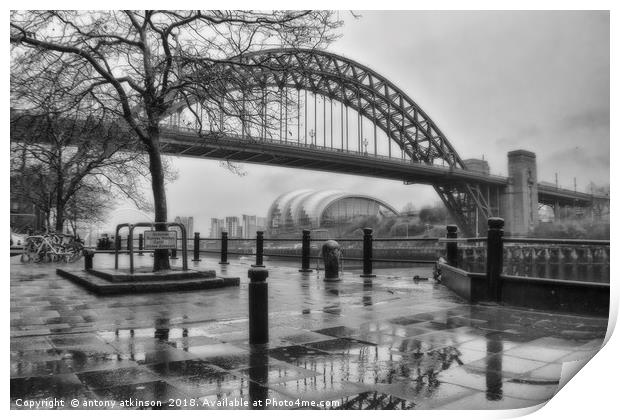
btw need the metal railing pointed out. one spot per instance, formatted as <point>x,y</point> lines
<point>561,259</point>
<point>583,260</point>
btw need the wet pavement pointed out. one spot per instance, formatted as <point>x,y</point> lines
<point>392,343</point>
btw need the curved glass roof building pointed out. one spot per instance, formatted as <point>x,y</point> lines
<point>310,209</point>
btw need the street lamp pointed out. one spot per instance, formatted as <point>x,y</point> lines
<point>312,137</point>
<point>365,143</point>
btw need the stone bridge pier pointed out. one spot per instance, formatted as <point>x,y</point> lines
<point>519,201</point>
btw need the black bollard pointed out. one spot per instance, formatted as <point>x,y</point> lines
<point>367,257</point>
<point>495,258</point>
<point>305,252</point>
<point>451,247</point>
<point>140,244</point>
<point>88,259</point>
<point>258,305</point>
<point>224,249</point>
<point>259,249</point>
<point>196,246</point>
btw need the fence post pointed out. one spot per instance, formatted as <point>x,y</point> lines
<point>88,259</point>
<point>140,244</point>
<point>224,249</point>
<point>258,305</point>
<point>196,246</point>
<point>305,252</point>
<point>495,257</point>
<point>452,251</point>
<point>259,249</point>
<point>117,242</point>
<point>367,256</point>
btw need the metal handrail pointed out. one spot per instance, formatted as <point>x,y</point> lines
<point>337,239</point>
<point>556,241</point>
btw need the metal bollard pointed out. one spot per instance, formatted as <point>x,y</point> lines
<point>451,247</point>
<point>259,249</point>
<point>196,246</point>
<point>224,249</point>
<point>88,259</point>
<point>367,257</point>
<point>305,252</point>
<point>258,305</point>
<point>140,244</point>
<point>495,258</point>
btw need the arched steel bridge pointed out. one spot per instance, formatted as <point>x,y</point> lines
<point>316,110</point>
<point>392,137</point>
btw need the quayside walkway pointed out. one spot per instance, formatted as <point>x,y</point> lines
<point>395,343</point>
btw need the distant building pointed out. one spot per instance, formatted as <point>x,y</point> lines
<point>308,209</point>
<point>248,226</point>
<point>261,223</point>
<point>26,217</point>
<point>233,227</point>
<point>188,222</point>
<point>217,226</point>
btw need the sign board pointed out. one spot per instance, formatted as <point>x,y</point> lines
<point>160,240</point>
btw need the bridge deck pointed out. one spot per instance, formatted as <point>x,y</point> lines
<point>307,156</point>
<point>301,156</point>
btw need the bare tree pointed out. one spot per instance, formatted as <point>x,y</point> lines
<point>89,206</point>
<point>141,64</point>
<point>62,147</point>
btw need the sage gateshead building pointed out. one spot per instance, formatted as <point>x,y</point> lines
<point>309,209</point>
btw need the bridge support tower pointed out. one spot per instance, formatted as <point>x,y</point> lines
<point>520,198</point>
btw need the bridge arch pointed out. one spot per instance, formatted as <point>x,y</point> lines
<point>346,81</point>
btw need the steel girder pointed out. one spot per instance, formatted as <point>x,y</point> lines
<point>371,95</point>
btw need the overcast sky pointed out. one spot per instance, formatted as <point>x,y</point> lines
<point>491,81</point>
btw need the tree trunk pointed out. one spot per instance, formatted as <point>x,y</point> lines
<point>60,220</point>
<point>60,204</point>
<point>47,221</point>
<point>160,260</point>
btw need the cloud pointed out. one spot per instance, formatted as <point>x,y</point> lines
<point>595,119</point>
<point>584,163</point>
<point>519,135</point>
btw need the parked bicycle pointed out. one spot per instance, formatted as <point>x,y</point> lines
<point>52,247</point>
